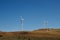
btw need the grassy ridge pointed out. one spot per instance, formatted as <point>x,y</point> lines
<point>33,35</point>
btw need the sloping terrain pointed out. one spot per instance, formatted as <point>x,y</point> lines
<point>41,34</point>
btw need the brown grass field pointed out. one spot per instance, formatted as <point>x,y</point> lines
<point>41,34</point>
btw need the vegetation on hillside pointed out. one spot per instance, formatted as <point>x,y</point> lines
<point>34,35</point>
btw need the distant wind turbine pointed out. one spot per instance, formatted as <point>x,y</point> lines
<point>46,25</point>
<point>22,20</point>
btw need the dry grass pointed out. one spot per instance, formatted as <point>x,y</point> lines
<point>33,35</point>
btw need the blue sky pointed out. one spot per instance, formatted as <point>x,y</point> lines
<point>34,12</point>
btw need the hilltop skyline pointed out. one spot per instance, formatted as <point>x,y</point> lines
<point>34,13</point>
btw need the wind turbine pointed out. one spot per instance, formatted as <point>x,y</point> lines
<point>22,20</point>
<point>46,25</point>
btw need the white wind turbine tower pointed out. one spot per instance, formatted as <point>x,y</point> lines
<point>22,20</point>
<point>46,25</point>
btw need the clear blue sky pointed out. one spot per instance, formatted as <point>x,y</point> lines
<point>34,12</point>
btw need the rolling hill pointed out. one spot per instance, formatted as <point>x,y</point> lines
<point>40,34</point>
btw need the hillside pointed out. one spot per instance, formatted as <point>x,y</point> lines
<point>40,34</point>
